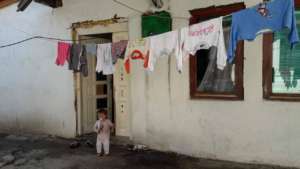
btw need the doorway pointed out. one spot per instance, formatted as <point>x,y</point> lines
<point>96,88</point>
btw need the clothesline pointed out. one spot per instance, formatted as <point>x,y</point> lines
<point>204,35</point>
<point>116,1</point>
<point>43,37</point>
<point>53,38</point>
<point>181,42</point>
<point>187,40</point>
<point>59,39</point>
<point>46,38</point>
<point>152,15</point>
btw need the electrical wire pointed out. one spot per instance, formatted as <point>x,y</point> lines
<point>127,6</point>
<point>15,43</point>
<point>45,38</point>
<point>59,39</point>
<point>150,15</point>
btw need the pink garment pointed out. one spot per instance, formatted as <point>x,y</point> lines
<point>106,126</point>
<point>63,53</point>
<point>118,50</point>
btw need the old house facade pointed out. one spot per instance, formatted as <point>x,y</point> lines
<point>163,109</point>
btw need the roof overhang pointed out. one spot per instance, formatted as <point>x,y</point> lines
<point>4,3</point>
<point>23,4</point>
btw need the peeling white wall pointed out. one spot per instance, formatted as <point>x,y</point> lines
<point>38,96</point>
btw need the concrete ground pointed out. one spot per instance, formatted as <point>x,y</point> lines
<point>43,152</point>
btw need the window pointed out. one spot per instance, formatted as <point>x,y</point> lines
<point>281,65</point>
<point>206,81</point>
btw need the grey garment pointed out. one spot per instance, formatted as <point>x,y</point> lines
<point>78,59</point>
<point>91,49</point>
<point>84,62</point>
<point>74,62</point>
<point>216,80</point>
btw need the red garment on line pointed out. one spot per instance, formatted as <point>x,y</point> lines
<point>63,53</point>
<point>136,54</point>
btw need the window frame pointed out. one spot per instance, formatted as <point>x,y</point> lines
<point>267,69</point>
<point>203,14</point>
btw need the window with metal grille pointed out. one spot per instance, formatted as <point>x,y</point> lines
<point>281,65</point>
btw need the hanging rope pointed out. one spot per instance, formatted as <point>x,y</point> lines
<point>150,15</point>
<point>45,38</point>
<point>88,23</point>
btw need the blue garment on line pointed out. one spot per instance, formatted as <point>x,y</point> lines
<point>248,23</point>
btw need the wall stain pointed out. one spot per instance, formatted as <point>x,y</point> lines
<point>169,86</point>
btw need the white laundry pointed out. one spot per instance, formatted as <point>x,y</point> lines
<point>104,59</point>
<point>162,45</point>
<point>202,36</point>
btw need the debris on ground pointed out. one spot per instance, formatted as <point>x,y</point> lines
<point>54,153</point>
<point>35,154</point>
<point>83,140</point>
<point>20,162</point>
<point>8,159</point>
<point>138,147</point>
<point>89,144</point>
<point>17,138</point>
<point>2,164</point>
<point>74,144</point>
<point>15,150</point>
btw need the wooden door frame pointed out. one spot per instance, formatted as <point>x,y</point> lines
<point>86,28</point>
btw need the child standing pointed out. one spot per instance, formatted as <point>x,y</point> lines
<point>103,128</point>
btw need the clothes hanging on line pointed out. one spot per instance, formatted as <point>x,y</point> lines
<point>137,49</point>
<point>63,53</point>
<point>202,36</point>
<point>104,59</point>
<point>118,50</point>
<point>78,59</point>
<point>74,63</point>
<point>162,45</point>
<point>84,63</point>
<point>274,15</point>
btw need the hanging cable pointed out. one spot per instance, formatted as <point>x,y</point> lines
<point>45,38</point>
<point>59,39</point>
<point>15,43</point>
<point>127,6</point>
<point>151,15</point>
